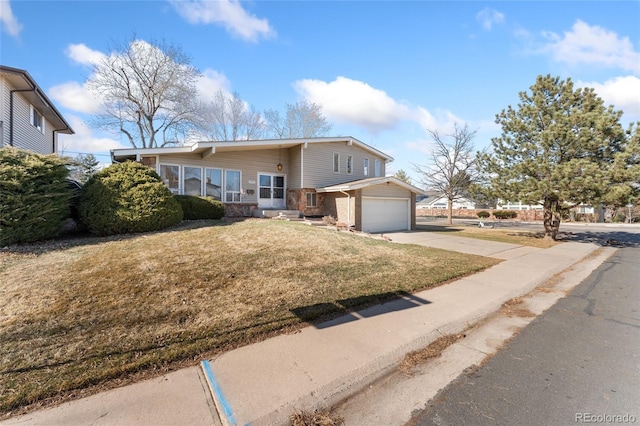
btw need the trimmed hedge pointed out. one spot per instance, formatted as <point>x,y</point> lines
<point>483,214</point>
<point>126,198</point>
<point>195,207</point>
<point>34,196</point>
<point>505,214</point>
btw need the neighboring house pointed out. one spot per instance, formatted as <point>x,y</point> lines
<point>510,205</point>
<point>439,201</point>
<point>28,119</point>
<point>340,176</point>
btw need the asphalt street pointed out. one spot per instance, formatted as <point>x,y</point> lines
<point>579,362</point>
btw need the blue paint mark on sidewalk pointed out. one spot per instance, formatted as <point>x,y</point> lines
<point>216,389</point>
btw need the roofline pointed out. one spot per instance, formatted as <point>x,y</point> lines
<point>363,183</point>
<point>27,77</point>
<point>123,152</point>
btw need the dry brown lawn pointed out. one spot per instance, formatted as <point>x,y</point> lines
<point>512,236</point>
<point>86,314</point>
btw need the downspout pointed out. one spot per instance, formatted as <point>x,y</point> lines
<point>348,207</point>
<point>11,111</point>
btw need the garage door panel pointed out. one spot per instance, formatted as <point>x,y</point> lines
<point>385,214</point>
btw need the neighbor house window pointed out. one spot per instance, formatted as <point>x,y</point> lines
<point>232,186</point>
<point>192,180</point>
<point>349,164</point>
<point>336,163</point>
<point>36,119</point>
<point>312,199</point>
<point>171,177</point>
<point>213,183</point>
<point>366,167</point>
<point>377,168</point>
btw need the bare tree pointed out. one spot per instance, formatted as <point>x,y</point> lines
<point>452,167</point>
<point>228,118</point>
<point>148,92</point>
<point>303,119</point>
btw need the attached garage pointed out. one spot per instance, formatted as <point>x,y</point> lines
<point>372,205</point>
<point>386,214</point>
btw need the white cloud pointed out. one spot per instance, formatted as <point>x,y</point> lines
<point>84,55</point>
<point>84,140</point>
<point>488,17</point>
<point>210,82</point>
<point>75,96</point>
<point>228,13</point>
<point>593,45</point>
<point>9,22</point>
<point>621,92</point>
<point>354,102</point>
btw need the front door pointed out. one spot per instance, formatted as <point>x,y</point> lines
<point>271,191</point>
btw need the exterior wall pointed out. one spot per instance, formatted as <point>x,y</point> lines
<point>295,169</point>
<point>317,164</point>
<point>297,200</point>
<point>25,135</point>
<point>341,207</point>
<point>250,163</point>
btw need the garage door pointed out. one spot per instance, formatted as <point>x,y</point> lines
<point>385,214</point>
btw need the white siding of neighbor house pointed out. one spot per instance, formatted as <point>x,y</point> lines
<point>318,164</point>
<point>250,163</point>
<point>389,191</point>
<point>25,135</point>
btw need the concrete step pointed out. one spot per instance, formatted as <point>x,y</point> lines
<point>279,214</point>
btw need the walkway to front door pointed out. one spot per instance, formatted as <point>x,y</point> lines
<point>271,191</point>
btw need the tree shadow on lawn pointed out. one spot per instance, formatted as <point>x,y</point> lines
<point>606,239</point>
<point>84,238</point>
<point>329,314</point>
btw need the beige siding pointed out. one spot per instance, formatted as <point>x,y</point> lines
<point>384,190</point>
<point>25,135</point>
<point>318,164</point>
<point>295,169</point>
<point>4,113</point>
<point>250,163</point>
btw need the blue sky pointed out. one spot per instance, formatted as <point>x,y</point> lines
<point>383,70</point>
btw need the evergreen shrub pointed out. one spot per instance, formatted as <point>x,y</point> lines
<point>34,196</point>
<point>126,198</point>
<point>195,207</point>
<point>483,214</point>
<point>505,214</point>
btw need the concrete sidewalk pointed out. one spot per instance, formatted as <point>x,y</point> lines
<point>317,367</point>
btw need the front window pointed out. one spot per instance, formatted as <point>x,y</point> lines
<point>213,183</point>
<point>312,199</point>
<point>377,165</point>
<point>232,186</point>
<point>336,163</point>
<point>366,167</point>
<point>192,182</point>
<point>349,164</point>
<point>171,177</point>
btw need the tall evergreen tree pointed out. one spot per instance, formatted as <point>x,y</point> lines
<point>561,147</point>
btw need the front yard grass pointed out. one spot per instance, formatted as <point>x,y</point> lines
<point>83,315</point>
<point>512,236</point>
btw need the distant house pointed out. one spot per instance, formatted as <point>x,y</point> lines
<point>338,176</point>
<point>439,201</point>
<point>511,205</point>
<point>28,119</point>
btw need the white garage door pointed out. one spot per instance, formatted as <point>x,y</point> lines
<point>385,214</point>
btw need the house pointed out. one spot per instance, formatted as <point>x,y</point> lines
<point>338,176</point>
<point>28,119</point>
<point>439,201</point>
